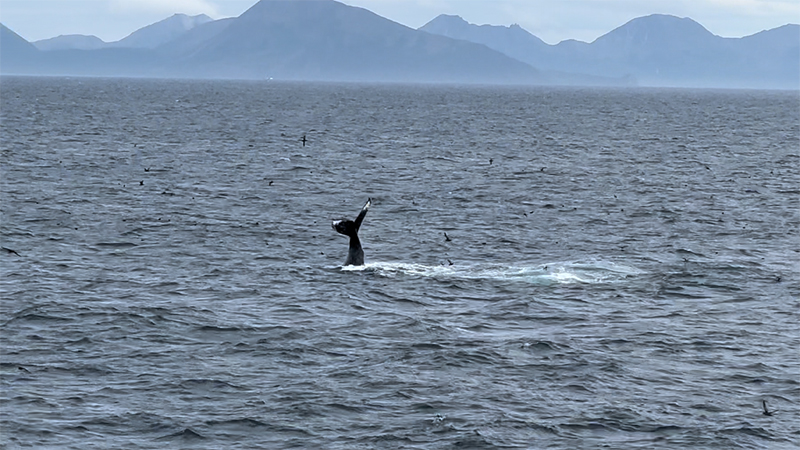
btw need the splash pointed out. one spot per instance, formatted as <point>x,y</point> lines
<point>551,273</point>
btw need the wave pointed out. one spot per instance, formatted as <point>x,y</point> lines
<point>549,273</point>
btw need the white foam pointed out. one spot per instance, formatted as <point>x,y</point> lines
<point>561,272</point>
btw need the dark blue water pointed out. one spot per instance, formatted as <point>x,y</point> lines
<point>622,269</point>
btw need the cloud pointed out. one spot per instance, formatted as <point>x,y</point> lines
<point>190,7</point>
<point>758,7</point>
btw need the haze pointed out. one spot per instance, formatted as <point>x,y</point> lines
<point>584,20</point>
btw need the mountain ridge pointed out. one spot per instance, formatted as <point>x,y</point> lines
<point>325,40</point>
<point>150,36</point>
<point>161,32</point>
<point>70,42</point>
<point>319,39</point>
<point>657,50</point>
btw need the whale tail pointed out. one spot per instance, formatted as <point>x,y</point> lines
<point>349,228</point>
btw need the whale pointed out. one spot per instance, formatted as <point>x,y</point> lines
<point>349,228</point>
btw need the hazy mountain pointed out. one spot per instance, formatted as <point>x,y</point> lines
<point>13,44</point>
<point>779,40</point>
<point>666,50</point>
<point>519,44</point>
<point>327,40</point>
<point>513,41</point>
<point>104,62</point>
<point>286,39</point>
<point>192,40</point>
<point>70,42</point>
<point>151,36</point>
<point>161,32</point>
<point>655,50</point>
<point>17,56</point>
<point>773,51</point>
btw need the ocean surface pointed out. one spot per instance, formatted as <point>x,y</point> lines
<point>622,269</point>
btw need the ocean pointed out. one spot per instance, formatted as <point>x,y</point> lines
<point>621,267</point>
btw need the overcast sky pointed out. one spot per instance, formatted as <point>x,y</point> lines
<point>551,20</point>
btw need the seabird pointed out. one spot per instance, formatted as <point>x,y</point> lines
<point>11,251</point>
<point>766,411</point>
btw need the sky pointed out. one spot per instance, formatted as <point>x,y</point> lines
<point>550,20</point>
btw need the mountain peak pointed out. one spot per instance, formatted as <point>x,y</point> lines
<point>667,20</point>
<point>512,40</point>
<point>17,54</point>
<point>449,18</point>
<point>326,39</point>
<point>161,32</point>
<point>70,41</point>
<point>658,27</point>
<point>11,41</point>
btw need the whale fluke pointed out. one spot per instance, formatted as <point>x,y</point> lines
<point>349,228</point>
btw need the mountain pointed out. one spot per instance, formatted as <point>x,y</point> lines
<point>320,40</point>
<point>667,50</point>
<point>774,51</point>
<point>151,36</point>
<point>513,41</point>
<point>161,32</point>
<point>521,45</point>
<point>20,57</point>
<point>70,42</point>
<point>656,50</point>
<point>104,62</point>
<point>327,40</point>
<point>780,40</point>
<point>17,56</point>
<point>192,40</point>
